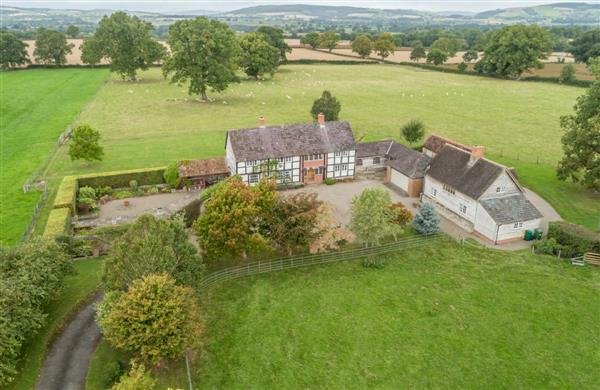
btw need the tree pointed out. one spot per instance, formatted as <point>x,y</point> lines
<point>203,53</point>
<point>329,40</point>
<point>328,105</point>
<point>437,56</point>
<point>72,31</point>
<point>154,319</point>
<point>294,224</point>
<point>311,39</point>
<point>232,223</point>
<point>470,56</point>
<point>413,131</point>
<point>371,217</point>
<point>171,175</point>
<point>274,37</point>
<point>567,73</point>
<point>362,46</point>
<point>399,216</point>
<point>417,53</point>
<point>581,141</point>
<point>462,67</point>
<point>51,47</point>
<point>126,41</point>
<point>257,55</point>
<point>426,221</point>
<point>515,49</point>
<point>85,144</point>
<point>446,45</point>
<point>586,46</point>
<point>13,51</point>
<point>152,245</point>
<point>384,45</point>
<point>136,379</point>
<point>331,234</point>
<point>31,276</point>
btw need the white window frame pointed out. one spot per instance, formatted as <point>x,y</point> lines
<point>518,225</point>
<point>253,178</point>
<point>462,208</point>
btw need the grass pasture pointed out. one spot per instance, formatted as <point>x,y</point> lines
<point>36,106</point>
<point>152,122</point>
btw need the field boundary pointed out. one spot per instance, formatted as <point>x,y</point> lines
<point>261,267</point>
<point>41,203</point>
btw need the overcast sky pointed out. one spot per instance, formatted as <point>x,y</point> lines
<point>178,5</point>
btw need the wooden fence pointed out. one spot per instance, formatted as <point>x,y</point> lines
<point>36,214</point>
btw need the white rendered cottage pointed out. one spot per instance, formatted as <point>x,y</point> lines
<point>300,153</point>
<point>479,195</point>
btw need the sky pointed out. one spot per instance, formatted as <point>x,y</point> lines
<point>187,5</point>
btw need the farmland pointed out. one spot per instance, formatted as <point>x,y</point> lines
<point>152,123</point>
<point>440,317</point>
<point>35,108</point>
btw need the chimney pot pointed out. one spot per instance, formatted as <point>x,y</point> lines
<point>261,122</point>
<point>477,151</point>
<point>321,119</point>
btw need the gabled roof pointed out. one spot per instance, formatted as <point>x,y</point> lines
<point>510,209</point>
<point>454,167</point>
<point>291,140</point>
<point>373,149</point>
<point>211,166</point>
<point>436,143</point>
<point>408,161</point>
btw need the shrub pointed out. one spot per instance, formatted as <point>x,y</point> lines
<point>103,191</point>
<point>136,379</point>
<point>112,373</point>
<point>171,175</point>
<point>123,194</point>
<point>462,67</point>
<point>87,192</point>
<point>133,185</point>
<point>329,181</point>
<point>74,247</point>
<point>426,221</point>
<point>574,240</point>
<point>548,246</point>
<point>376,262</point>
<point>413,131</point>
<point>66,193</point>
<point>59,223</point>
<point>567,73</point>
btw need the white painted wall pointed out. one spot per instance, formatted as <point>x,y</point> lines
<point>367,162</point>
<point>435,190</point>
<point>230,157</point>
<point>504,183</point>
<point>341,165</point>
<point>289,166</point>
<point>509,231</point>
<point>484,224</point>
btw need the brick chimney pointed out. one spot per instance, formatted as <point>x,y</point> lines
<point>321,119</point>
<point>261,122</point>
<point>477,151</point>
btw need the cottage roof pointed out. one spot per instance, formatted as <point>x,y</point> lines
<point>455,167</point>
<point>373,149</point>
<point>207,167</point>
<point>510,209</point>
<point>291,140</point>
<point>436,143</point>
<point>408,161</point>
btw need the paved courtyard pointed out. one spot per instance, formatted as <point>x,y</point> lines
<point>340,197</point>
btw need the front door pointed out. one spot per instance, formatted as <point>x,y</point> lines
<point>310,174</point>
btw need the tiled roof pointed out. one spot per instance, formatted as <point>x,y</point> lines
<point>408,161</point>
<point>373,149</point>
<point>291,140</point>
<point>453,166</point>
<point>211,166</point>
<point>436,143</point>
<point>510,209</point>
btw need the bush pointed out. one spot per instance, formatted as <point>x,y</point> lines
<point>59,223</point>
<point>426,221</point>
<point>74,247</point>
<point>112,372</point>
<point>103,191</point>
<point>329,181</point>
<point>567,73</point>
<point>373,262</point>
<point>462,67</point>
<point>87,192</point>
<point>137,379</point>
<point>133,185</point>
<point>413,131</point>
<point>548,246</point>
<point>123,194</point>
<point>171,175</point>
<point>574,240</point>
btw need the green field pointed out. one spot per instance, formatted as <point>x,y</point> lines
<point>440,317</point>
<point>36,106</point>
<point>152,123</point>
<point>77,288</point>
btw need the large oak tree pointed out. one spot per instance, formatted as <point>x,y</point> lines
<point>257,55</point>
<point>13,51</point>
<point>51,47</point>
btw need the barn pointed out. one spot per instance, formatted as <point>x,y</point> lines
<point>406,169</point>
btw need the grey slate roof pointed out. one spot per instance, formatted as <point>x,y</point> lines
<point>436,143</point>
<point>408,161</point>
<point>510,209</point>
<point>291,140</point>
<point>451,166</point>
<point>373,149</point>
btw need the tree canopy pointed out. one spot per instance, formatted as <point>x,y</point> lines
<point>417,53</point>
<point>384,45</point>
<point>437,56</point>
<point>446,45</point>
<point>413,131</point>
<point>257,55</point>
<point>51,47</point>
<point>328,105</point>
<point>371,219</point>
<point>85,144</point>
<point>470,56</point>
<point>515,49</point>
<point>203,53</point>
<point>329,40</point>
<point>274,37</point>
<point>72,31</point>
<point>311,39</point>
<point>426,221</point>
<point>586,46</point>
<point>13,51</point>
<point>126,41</point>
<point>362,45</point>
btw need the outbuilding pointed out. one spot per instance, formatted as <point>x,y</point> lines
<point>203,173</point>
<point>406,169</point>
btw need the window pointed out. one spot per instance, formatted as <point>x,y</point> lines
<point>500,189</point>
<point>463,208</point>
<point>434,192</point>
<point>305,171</point>
<point>359,162</point>
<point>345,153</point>
<point>449,189</point>
<point>288,159</point>
<point>336,167</point>
<point>376,160</point>
<point>518,225</point>
<point>253,179</point>
<point>344,167</point>
<point>337,154</point>
<point>321,170</point>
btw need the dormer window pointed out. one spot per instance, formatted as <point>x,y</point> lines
<point>449,189</point>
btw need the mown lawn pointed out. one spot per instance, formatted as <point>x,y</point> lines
<point>77,287</point>
<point>152,122</point>
<point>442,317</point>
<point>36,106</point>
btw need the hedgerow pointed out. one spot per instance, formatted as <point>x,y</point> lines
<point>59,222</point>
<point>121,179</point>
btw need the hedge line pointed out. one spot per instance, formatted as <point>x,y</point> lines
<point>574,239</point>
<point>67,191</point>
<point>59,223</point>
<point>120,179</point>
<point>331,62</point>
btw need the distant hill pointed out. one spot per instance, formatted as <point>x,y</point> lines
<point>321,11</point>
<point>557,13</point>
